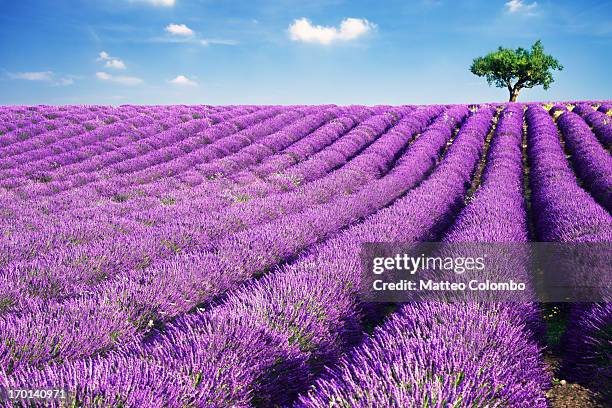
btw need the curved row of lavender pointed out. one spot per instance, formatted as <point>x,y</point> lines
<point>606,108</point>
<point>439,354</point>
<point>598,121</point>
<point>592,163</point>
<point>208,256</point>
<point>566,213</point>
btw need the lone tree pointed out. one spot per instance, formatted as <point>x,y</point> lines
<point>517,69</point>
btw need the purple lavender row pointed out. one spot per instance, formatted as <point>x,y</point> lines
<point>371,164</point>
<point>128,312</point>
<point>36,135</point>
<point>207,194</point>
<point>34,218</point>
<point>197,180</point>
<point>312,144</point>
<point>267,147</point>
<point>30,233</point>
<point>297,317</point>
<point>591,161</point>
<point>592,102</point>
<point>335,156</point>
<point>45,158</point>
<point>421,336</point>
<point>24,125</point>
<point>42,177</point>
<point>358,138</point>
<point>135,114</point>
<point>33,127</point>
<point>555,192</point>
<point>149,141</point>
<point>199,199</point>
<point>598,121</point>
<point>75,198</point>
<point>13,119</point>
<point>118,114</point>
<point>116,144</point>
<point>203,168</point>
<point>232,192</point>
<point>105,160</point>
<point>439,355</point>
<point>183,163</point>
<point>586,346</point>
<point>40,112</point>
<point>52,134</point>
<point>497,214</point>
<point>149,384</point>
<point>251,146</point>
<point>606,108</point>
<point>564,212</point>
<point>23,112</point>
<point>63,262</point>
<point>375,160</point>
<point>261,248</point>
<point>19,175</point>
<point>18,224</point>
<point>213,226</point>
<point>136,166</point>
<point>303,148</point>
<point>264,118</point>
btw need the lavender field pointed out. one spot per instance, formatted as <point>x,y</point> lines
<point>208,256</point>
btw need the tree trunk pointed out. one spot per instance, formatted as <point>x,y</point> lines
<point>514,94</point>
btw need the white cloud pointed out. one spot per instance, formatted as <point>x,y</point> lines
<point>124,80</point>
<point>179,29</point>
<point>162,3</point>
<point>65,81</point>
<point>44,76</point>
<point>192,40</point>
<point>115,63</point>
<point>183,81</point>
<point>103,76</point>
<point>33,76</point>
<point>219,42</point>
<point>181,34</point>
<point>350,28</point>
<point>518,6</point>
<point>111,62</point>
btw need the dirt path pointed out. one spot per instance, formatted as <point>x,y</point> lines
<point>568,395</point>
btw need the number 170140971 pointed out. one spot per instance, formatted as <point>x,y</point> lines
<point>32,393</point>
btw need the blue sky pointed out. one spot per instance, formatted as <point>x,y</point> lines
<point>290,52</point>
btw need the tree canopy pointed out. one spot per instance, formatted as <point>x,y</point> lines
<point>517,69</point>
